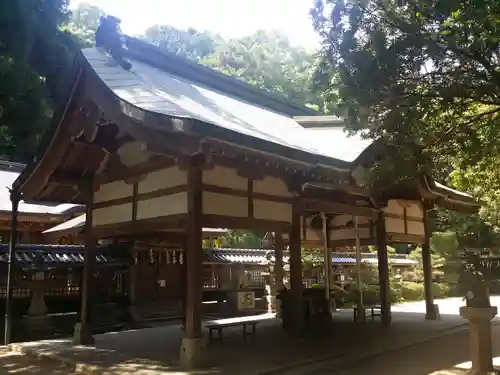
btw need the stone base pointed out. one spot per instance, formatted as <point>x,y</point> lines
<point>192,352</point>
<point>481,351</point>
<point>278,308</point>
<point>360,314</point>
<point>37,305</point>
<point>271,303</point>
<point>333,305</point>
<point>433,313</point>
<point>82,335</point>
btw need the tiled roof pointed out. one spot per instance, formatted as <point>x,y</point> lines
<point>238,256</point>
<point>262,256</point>
<point>54,255</point>
<point>9,172</point>
<point>71,255</point>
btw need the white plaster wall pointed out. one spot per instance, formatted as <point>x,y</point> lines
<point>163,178</point>
<point>415,227</point>
<point>393,207</point>
<point>225,177</point>
<point>225,205</point>
<point>172,204</point>
<point>111,215</point>
<point>271,186</point>
<point>415,210</point>
<point>113,190</point>
<point>394,225</point>
<point>273,211</point>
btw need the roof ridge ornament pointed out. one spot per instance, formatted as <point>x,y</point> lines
<point>110,38</point>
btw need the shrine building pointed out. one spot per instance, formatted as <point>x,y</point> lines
<point>170,147</point>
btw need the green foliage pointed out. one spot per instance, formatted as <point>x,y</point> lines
<point>242,239</point>
<point>442,290</point>
<point>411,291</point>
<point>266,59</point>
<point>35,67</point>
<point>190,43</point>
<point>422,78</point>
<point>23,108</point>
<point>83,23</point>
<point>312,258</point>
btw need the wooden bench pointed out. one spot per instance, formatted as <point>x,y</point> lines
<point>375,310</point>
<point>219,327</point>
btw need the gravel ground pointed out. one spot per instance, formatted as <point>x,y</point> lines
<point>15,363</point>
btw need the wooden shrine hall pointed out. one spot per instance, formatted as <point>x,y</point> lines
<point>158,143</point>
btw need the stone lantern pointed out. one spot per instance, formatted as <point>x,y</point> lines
<point>37,282</point>
<point>479,312</point>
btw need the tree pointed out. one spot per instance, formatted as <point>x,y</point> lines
<point>83,23</point>
<point>190,43</point>
<point>421,77</point>
<point>34,71</point>
<point>265,59</point>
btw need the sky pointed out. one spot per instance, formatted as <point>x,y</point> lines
<point>229,18</point>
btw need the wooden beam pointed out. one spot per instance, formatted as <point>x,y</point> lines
<point>67,178</point>
<point>404,238</point>
<point>316,205</point>
<point>332,187</point>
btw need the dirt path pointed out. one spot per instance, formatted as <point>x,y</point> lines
<point>14,363</point>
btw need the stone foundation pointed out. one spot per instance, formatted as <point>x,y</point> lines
<point>192,352</point>
<point>433,313</point>
<point>82,335</point>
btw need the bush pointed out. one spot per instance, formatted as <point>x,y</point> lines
<point>440,290</point>
<point>411,291</point>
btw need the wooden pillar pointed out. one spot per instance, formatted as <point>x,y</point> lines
<point>431,312</point>
<point>278,267</point>
<point>383,270</point>
<point>329,251</point>
<point>15,198</point>
<point>296,293</point>
<point>279,245</point>
<point>132,293</point>
<point>192,342</point>
<point>326,254</point>
<point>182,282</point>
<point>82,333</point>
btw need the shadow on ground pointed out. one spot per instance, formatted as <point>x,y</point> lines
<point>156,350</point>
<point>14,363</point>
<point>446,355</point>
